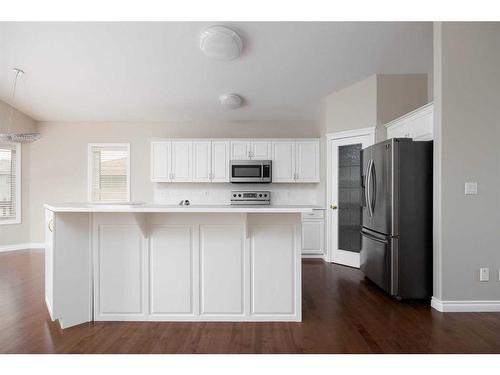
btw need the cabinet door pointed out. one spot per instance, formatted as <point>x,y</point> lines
<point>307,164</point>
<point>397,130</point>
<point>182,161</point>
<point>160,161</point>
<point>312,237</point>
<point>260,150</point>
<point>240,150</point>
<point>420,126</point>
<point>283,161</point>
<point>220,161</point>
<point>202,163</point>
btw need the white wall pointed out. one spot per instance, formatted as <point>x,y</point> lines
<point>467,129</point>
<point>59,159</point>
<point>19,233</point>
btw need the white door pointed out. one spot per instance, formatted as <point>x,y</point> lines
<point>344,206</point>
<point>240,150</point>
<point>260,150</point>
<point>283,166</point>
<point>49,261</point>
<point>160,161</point>
<point>307,163</point>
<point>182,161</point>
<point>202,151</point>
<point>220,161</point>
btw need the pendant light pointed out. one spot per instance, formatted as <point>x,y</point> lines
<point>14,137</point>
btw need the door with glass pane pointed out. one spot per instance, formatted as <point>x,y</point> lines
<point>345,203</point>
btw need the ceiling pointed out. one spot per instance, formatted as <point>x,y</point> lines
<point>156,71</point>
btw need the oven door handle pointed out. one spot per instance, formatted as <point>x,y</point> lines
<point>262,171</point>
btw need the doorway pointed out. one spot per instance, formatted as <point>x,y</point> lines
<point>344,195</point>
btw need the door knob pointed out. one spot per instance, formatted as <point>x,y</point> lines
<point>333,207</point>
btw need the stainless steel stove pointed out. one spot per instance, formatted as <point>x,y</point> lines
<point>250,197</point>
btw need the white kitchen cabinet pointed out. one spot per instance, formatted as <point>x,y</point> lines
<point>240,149</point>
<point>161,156</point>
<point>207,160</point>
<point>296,161</point>
<point>417,125</point>
<point>182,161</point>
<point>313,233</point>
<point>283,161</point>
<point>220,161</point>
<point>202,161</point>
<point>260,150</point>
<point>307,163</point>
<point>254,149</point>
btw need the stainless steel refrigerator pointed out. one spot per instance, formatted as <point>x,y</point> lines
<point>396,250</point>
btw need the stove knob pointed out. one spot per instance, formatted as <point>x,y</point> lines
<point>239,195</point>
<point>265,195</point>
<point>260,195</point>
<point>234,195</point>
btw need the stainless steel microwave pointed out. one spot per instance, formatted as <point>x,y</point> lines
<point>251,171</point>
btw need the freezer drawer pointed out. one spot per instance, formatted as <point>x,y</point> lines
<point>376,261</point>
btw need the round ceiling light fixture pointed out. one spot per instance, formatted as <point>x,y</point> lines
<point>221,43</point>
<point>231,101</point>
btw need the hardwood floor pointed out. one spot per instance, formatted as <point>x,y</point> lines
<point>342,313</point>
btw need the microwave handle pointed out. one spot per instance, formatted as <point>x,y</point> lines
<point>262,171</point>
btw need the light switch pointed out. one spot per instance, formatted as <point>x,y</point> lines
<point>471,188</point>
<point>484,274</point>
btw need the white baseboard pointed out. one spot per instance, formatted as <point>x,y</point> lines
<point>465,306</point>
<point>313,256</point>
<point>346,258</point>
<point>22,246</point>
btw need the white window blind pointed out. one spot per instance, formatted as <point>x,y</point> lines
<point>9,183</point>
<point>109,172</point>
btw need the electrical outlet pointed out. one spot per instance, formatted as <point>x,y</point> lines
<point>484,274</point>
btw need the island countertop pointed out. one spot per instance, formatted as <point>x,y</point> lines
<point>159,208</point>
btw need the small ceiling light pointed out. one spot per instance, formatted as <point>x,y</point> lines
<point>231,101</point>
<point>221,43</point>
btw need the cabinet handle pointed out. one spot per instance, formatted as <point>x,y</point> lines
<point>51,225</point>
<point>333,207</point>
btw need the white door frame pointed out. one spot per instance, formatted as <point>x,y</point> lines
<point>350,258</point>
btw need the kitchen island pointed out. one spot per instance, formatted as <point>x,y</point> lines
<point>173,263</point>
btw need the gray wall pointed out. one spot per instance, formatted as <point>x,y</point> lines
<point>467,99</point>
<point>19,233</point>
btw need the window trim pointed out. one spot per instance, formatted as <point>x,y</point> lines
<point>89,170</point>
<point>17,219</point>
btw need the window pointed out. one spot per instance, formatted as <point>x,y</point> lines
<point>109,172</point>
<point>10,183</point>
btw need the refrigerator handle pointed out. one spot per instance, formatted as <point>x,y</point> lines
<point>367,188</point>
<point>373,238</point>
<point>373,193</point>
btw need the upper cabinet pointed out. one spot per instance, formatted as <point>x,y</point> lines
<point>254,149</point>
<point>207,160</point>
<point>296,160</point>
<point>417,125</point>
<point>171,161</point>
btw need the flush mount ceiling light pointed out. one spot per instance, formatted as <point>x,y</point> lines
<point>7,135</point>
<point>220,43</point>
<point>231,101</point>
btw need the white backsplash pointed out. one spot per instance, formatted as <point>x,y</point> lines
<point>199,193</point>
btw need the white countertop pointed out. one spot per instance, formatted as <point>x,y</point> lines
<point>144,208</point>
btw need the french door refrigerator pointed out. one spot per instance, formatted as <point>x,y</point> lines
<point>396,250</point>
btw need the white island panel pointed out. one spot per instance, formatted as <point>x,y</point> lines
<point>171,269</point>
<point>273,254</point>
<point>119,257</point>
<point>222,269</point>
